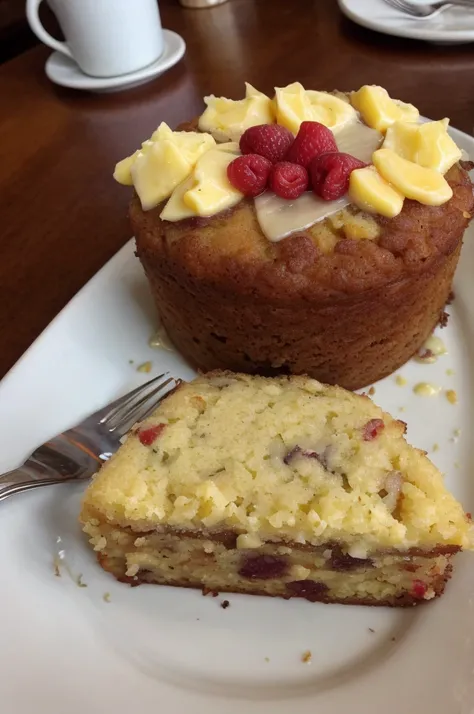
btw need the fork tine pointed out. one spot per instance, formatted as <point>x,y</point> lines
<point>153,406</point>
<point>113,409</point>
<point>130,414</point>
<point>404,7</point>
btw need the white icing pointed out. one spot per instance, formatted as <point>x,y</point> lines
<point>359,140</point>
<point>279,218</point>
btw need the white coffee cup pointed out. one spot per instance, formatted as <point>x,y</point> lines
<point>106,38</point>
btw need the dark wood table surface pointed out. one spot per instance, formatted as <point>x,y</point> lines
<point>62,215</point>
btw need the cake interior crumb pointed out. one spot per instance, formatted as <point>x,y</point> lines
<point>400,381</point>
<point>267,659</point>
<point>144,367</point>
<point>106,597</point>
<point>306,657</point>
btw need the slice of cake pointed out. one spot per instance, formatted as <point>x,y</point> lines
<point>279,486</point>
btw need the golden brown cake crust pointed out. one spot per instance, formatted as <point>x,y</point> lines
<point>349,315</point>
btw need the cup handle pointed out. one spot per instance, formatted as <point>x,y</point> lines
<point>32,14</point>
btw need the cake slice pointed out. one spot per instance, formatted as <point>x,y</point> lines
<point>280,486</point>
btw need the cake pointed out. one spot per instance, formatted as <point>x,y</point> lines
<point>275,486</point>
<point>343,286</point>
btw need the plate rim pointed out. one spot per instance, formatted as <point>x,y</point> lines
<point>448,36</point>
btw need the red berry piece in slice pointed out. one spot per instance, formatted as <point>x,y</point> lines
<point>372,429</point>
<point>288,180</point>
<point>249,174</point>
<point>269,140</point>
<point>418,589</point>
<point>330,174</point>
<point>312,139</point>
<point>149,434</point>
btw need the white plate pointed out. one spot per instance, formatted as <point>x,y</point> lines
<point>65,650</point>
<point>454,25</point>
<point>64,71</point>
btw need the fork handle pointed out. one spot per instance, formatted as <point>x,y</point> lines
<point>31,474</point>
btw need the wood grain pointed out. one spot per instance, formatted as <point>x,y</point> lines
<point>62,214</point>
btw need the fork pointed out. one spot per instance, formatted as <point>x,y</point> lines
<point>425,12</point>
<point>79,452</point>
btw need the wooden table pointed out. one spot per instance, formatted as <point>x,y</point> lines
<point>62,214</point>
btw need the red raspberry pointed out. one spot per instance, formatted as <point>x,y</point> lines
<point>249,174</point>
<point>288,180</point>
<point>312,139</point>
<point>330,174</point>
<point>269,140</point>
<point>147,436</point>
<point>418,589</point>
<point>372,429</point>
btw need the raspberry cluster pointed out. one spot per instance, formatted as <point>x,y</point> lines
<point>273,158</point>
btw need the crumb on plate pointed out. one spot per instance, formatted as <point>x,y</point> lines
<point>79,582</point>
<point>451,396</point>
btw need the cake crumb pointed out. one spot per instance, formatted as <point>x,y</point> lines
<point>225,604</point>
<point>394,639</point>
<point>425,389</point>
<point>106,597</point>
<point>443,319</point>
<point>450,372</point>
<point>451,396</point>
<point>371,391</point>
<point>145,367</point>
<point>435,447</point>
<point>400,381</point>
<point>130,361</point>
<point>371,629</point>
<point>457,465</point>
<point>466,214</point>
<point>56,565</point>
<point>79,582</point>
<point>267,659</point>
<point>401,409</point>
<point>306,657</point>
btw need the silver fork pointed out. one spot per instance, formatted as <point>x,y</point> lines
<point>79,452</point>
<point>425,12</point>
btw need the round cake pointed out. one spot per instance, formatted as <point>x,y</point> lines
<point>346,300</point>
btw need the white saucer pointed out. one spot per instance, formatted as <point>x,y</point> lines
<point>64,71</point>
<point>454,25</point>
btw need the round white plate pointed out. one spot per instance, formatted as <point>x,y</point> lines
<point>64,71</point>
<point>451,26</point>
<point>65,649</point>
